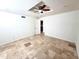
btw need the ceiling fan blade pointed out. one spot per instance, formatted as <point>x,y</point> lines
<point>42,7</point>
<point>46,9</point>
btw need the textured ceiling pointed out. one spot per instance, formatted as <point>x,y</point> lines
<point>60,6</point>
<point>22,6</point>
<point>17,6</point>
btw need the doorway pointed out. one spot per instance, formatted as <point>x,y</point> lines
<point>41,27</point>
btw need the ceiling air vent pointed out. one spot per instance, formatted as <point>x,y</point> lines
<point>23,17</point>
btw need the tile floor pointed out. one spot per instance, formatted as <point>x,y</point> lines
<point>38,47</point>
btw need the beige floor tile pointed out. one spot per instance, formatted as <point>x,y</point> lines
<point>39,47</point>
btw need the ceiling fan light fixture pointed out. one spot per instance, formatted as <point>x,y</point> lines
<point>40,8</point>
<point>23,17</point>
<point>40,11</point>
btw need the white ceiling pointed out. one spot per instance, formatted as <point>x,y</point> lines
<point>17,6</point>
<point>60,6</point>
<point>22,6</point>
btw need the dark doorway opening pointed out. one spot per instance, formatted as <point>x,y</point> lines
<point>41,26</point>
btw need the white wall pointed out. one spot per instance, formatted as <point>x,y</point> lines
<point>77,46</point>
<point>12,26</point>
<point>77,42</point>
<point>62,26</point>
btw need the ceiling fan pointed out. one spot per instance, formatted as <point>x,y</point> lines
<point>43,8</point>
